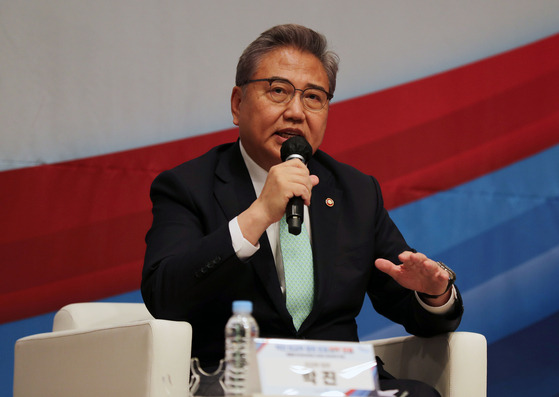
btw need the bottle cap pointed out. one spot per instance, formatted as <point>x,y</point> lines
<point>242,307</point>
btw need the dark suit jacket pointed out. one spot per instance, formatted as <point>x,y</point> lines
<point>192,273</point>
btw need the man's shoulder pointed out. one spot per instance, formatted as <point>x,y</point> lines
<point>206,161</point>
<point>199,170</point>
<point>337,168</point>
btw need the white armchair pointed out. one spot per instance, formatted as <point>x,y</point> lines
<point>454,363</point>
<point>118,349</point>
<point>105,350</point>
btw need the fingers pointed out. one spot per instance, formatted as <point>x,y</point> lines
<point>387,267</point>
<point>418,263</point>
<point>284,181</point>
<point>411,258</point>
<point>314,180</point>
<point>294,180</point>
<point>417,272</point>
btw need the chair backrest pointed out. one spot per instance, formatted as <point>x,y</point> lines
<point>98,314</point>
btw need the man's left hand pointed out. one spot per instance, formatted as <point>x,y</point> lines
<point>418,273</point>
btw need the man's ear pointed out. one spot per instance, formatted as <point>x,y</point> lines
<point>236,99</point>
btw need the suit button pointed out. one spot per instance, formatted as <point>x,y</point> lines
<point>215,261</point>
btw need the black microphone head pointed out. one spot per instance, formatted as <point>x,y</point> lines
<point>296,145</point>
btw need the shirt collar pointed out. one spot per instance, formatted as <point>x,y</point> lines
<point>257,174</point>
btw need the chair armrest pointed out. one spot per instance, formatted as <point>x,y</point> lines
<point>148,358</point>
<point>98,315</point>
<point>454,363</point>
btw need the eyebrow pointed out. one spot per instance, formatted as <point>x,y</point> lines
<point>309,85</point>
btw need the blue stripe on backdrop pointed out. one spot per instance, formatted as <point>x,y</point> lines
<point>526,363</point>
<point>470,209</point>
<point>512,243</point>
<point>485,229</point>
<point>514,300</point>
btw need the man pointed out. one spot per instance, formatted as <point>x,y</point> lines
<point>217,223</point>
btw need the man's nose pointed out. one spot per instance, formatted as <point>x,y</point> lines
<point>295,107</point>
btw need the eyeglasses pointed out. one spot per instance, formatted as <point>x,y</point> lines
<point>283,91</point>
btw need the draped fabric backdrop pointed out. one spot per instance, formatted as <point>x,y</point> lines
<point>98,98</point>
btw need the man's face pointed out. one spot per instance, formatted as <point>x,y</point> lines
<point>263,124</point>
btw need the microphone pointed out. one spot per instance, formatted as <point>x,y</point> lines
<point>296,147</point>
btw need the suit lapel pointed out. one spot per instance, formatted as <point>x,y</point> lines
<point>233,189</point>
<point>326,203</point>
<point>235,193</point>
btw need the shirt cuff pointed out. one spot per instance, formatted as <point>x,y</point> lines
<point>447,307</point>
<point>243,248</point>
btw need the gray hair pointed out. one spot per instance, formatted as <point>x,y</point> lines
<point>290,35</point>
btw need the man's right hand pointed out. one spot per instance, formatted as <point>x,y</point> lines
<point>285,180</point>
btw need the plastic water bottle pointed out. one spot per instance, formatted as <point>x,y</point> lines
<point>239,333</point>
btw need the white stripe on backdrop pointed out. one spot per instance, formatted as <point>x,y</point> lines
<point>82,78</point>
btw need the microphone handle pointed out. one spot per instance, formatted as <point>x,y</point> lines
<point>294,211</point>
<point>294,215</point>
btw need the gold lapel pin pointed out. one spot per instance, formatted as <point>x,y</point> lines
<point>329,202</point>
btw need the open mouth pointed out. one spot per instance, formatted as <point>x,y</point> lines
<point>286,134</point>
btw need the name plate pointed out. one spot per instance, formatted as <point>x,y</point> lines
<point>316,368</point>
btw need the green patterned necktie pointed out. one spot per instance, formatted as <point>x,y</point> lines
<point>298,268</point>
